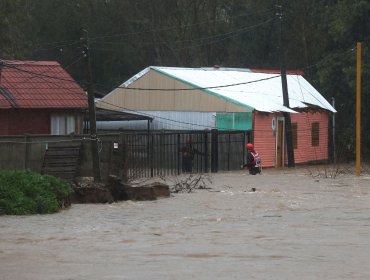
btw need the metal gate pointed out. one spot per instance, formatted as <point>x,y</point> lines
<point>160,153</point>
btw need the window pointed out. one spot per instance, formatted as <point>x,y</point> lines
<point>315,136</point>
<point>294,135</point>
<point>62,124</point>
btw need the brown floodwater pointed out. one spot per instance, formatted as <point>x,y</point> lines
<point>294,226</point>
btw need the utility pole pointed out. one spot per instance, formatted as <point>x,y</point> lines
<point>284,85</point>
<point>92,115</point>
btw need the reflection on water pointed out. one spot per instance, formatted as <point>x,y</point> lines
<point>293,226</point>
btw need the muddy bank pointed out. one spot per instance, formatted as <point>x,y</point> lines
<point>85,190</point>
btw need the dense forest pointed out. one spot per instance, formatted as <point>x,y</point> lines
<point>125,36</point>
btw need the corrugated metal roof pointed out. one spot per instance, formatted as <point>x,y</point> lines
<point>259,89</point>
<point>38,84</point>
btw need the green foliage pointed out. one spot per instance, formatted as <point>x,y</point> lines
<point>25,192</point>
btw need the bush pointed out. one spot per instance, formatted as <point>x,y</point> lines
<point>25,192</point>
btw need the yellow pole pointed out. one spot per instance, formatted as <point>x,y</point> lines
<point>358,110</point>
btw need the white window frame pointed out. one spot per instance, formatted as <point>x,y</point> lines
<point>62,124</point>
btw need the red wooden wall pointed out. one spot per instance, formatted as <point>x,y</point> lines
<point>24,121</point>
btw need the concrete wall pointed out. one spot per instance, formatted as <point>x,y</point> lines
<point>26,152</point>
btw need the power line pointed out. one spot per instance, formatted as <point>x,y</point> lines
<point>57,86</point>
<point>222,36</point>
<point>66,43</point>
<point>79,58</point>
<point>172,28</point>
<point>330,57</point>
<point>40,75</point>
<point>178,123</point>
<point>57,46</point>
<point>230,35</point>
<point>12,66</point>
<point>199,88</point>
<point>168,119</point>
<point>146,89</point>
<point>43,73</point>
<point>141,89</point>
<point>153,116</point>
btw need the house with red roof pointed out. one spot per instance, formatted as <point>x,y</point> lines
<point>39,97</point>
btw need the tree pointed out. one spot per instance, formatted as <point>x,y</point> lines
<point>129,35</point>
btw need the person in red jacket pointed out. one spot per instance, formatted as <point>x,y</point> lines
<point>253,160</point>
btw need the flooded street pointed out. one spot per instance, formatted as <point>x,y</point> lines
<point>295,226</point>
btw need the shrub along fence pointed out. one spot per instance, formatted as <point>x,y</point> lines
<point>132,154</point>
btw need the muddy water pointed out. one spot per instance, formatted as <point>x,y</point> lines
<point>294,226</point>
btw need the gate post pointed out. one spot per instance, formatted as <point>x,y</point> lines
<point>206,154</point>
<point>178,155</point>
<point>214,150</point>
<point>123,162</point>
<point>151,153</point>
<point>26,151</point>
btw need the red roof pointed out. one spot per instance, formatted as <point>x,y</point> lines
<point>38,84</point>
<point>271,71</point>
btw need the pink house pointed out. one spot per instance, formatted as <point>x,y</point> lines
<point>310,137</point>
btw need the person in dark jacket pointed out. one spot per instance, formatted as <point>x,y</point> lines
<point>253,160</point>
<point>188,152</point>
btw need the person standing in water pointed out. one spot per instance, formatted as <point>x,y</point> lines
<point>253,160</point>
<point>188,152</point>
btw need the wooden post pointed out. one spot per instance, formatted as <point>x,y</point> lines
<point>92,115</point>
<point>358,110</point>
<point>214,150</point>
<point>205,148</point>
<point>284,84</point>
<point>26,151</point>
<point>179,155</point>
<point>123,161</point>
<point>334,147</point>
